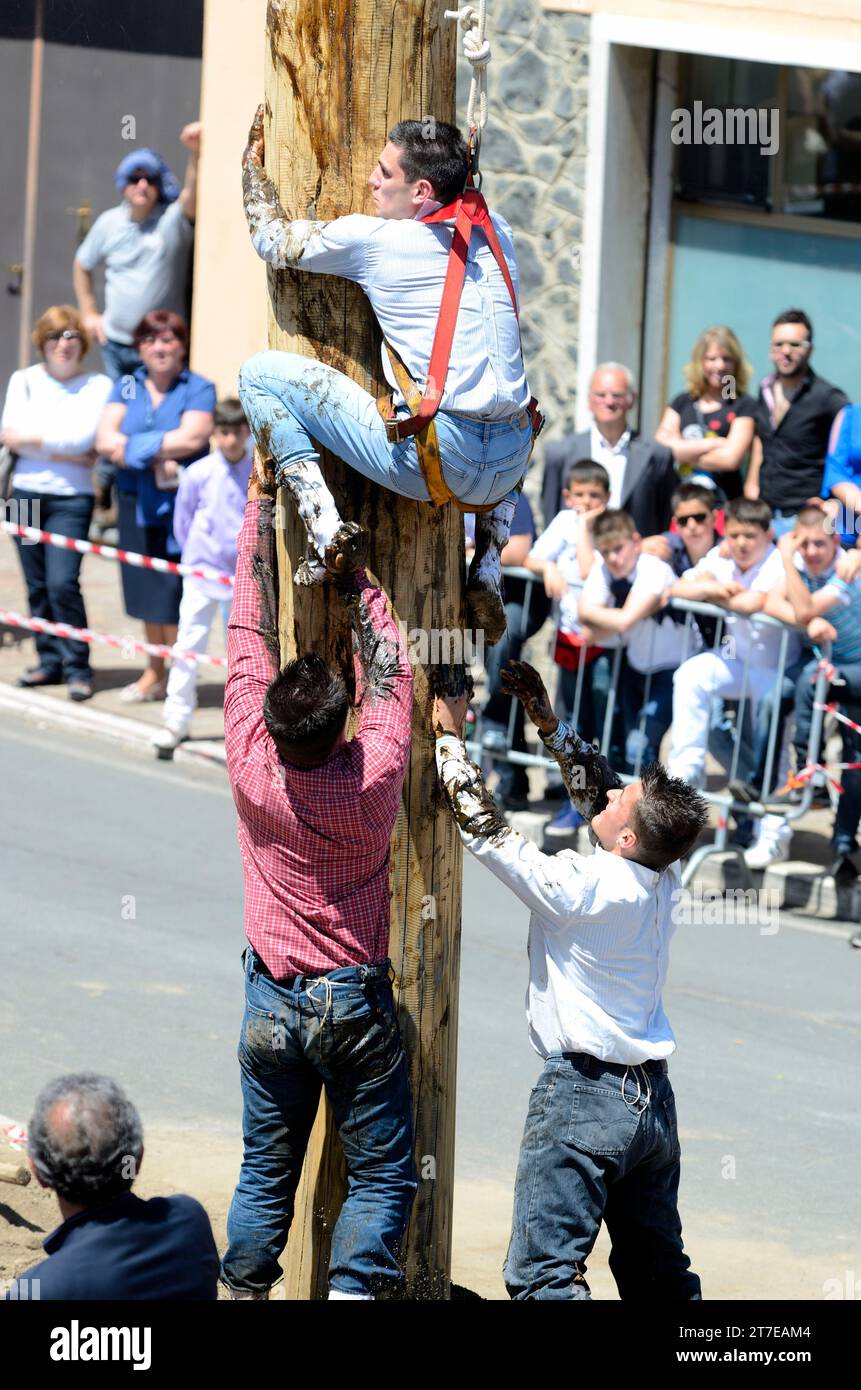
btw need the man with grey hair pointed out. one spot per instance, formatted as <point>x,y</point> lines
<point>85,1143</point>
<point>642,474</point>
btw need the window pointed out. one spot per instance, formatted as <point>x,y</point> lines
<point>776,138</point>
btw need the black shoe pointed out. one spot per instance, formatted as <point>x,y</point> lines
<point>843,869</point>
<point>512,801</point>
<point>80,690</point>
<point>37,676</point>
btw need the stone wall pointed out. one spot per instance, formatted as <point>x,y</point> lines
<point>533,158</point>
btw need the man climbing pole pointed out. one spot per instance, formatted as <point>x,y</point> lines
<point>447,305</point>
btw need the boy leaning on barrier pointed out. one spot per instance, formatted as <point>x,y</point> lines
<point>563,556</point>
<point>623,598</point>
<point>601,1139</point>
<point>828,608</point>
<point>694,508</point>
<point>747,661</point>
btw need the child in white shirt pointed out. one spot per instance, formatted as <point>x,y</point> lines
<point>623,598</point>
<point>739,581</point>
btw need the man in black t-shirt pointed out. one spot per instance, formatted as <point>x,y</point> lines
<point>795,412</point>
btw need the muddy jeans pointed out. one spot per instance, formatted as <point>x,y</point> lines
<point>600,1143</point>
<point>339,1031</point>
<point>294,403</point>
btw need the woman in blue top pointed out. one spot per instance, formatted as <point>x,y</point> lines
<point>155,421</point>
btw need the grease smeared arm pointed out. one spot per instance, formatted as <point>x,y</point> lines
<point>550,885</point>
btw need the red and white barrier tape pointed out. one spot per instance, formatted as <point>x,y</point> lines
<point>127,645</point>
<point>110,552</point>
<point>843,718</point>
<point>14,1134</point>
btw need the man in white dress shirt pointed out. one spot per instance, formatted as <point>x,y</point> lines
<point>601,1140</point>
<point>484,425</point>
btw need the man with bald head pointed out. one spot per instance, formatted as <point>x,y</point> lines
<point>85,1143</point>
<point>642,475</point>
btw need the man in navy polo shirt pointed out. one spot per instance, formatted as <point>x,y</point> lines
<point>85,1142</point>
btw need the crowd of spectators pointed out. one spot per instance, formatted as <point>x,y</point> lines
<point>746,503</point>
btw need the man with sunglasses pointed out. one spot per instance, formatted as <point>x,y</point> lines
<point>795,412</point>
<point>144,244</point>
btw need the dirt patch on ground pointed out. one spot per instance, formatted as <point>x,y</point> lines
<point>731,1263</point>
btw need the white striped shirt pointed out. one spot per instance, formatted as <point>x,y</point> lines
<point>599,933</point>
<point>401,265</point>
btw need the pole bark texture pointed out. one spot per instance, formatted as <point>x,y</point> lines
<point>340,74</point>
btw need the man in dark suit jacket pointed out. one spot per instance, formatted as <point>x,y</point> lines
<point>642,475</point>
<point>85,1142</point>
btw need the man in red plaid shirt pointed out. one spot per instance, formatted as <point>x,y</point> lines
<point>316,814</point>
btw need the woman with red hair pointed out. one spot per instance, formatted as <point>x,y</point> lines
<point>155,422</point>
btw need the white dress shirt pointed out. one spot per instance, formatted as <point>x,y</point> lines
<point>401,265</point>
<point>66,415</point>
<point>759,640</point>
<point>613,457</point>
<point>653,644</point>
<point>599,932</point>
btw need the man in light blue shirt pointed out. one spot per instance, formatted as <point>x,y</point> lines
<point>601,1139</point>
<point>484,423</point>
<point>144,245</point>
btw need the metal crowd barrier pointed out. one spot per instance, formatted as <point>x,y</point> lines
<point>724,801</point>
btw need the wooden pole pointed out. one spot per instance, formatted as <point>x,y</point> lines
<point>340,73</point>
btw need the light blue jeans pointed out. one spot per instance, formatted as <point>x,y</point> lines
<point>294,402</point>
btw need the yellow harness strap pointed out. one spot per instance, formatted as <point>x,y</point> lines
<point>427,441</point>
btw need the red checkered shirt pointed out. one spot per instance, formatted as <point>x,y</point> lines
<point>314,841</point>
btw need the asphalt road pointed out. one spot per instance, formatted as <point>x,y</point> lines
<point>121,936</point>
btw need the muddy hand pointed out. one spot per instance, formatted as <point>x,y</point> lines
<point>524,683</point>
<point>348,549</point>
<point>452,688</point>
<point>255,149</point>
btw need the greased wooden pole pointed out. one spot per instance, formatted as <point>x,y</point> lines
<point>339,75</point>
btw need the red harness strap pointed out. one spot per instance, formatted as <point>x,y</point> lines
<point>469,210</point>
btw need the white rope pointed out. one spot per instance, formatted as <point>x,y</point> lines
<point>476,50</point>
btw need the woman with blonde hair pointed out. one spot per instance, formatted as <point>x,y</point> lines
<point>50,418</point>
<point>710,427</point>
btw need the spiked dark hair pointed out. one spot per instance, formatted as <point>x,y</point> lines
<point>667,818</point>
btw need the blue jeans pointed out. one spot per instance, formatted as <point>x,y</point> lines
<point>513,780</point>
<point>600,1144</point>
<point>337,1031</point>
<point>120,359</point>
<point>655,713</point>
<point>294,402</point>
<point>51,576</point>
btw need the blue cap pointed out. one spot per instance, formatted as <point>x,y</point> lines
<point>148,162</point>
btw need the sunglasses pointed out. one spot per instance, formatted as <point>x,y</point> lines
<point>136,178</point>
<point>71,335</point>
<point>698,517</point>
